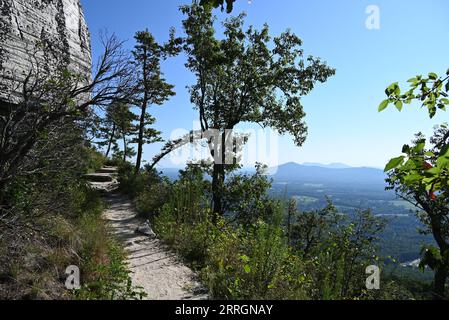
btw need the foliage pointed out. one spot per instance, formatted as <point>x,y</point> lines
<point>105,274</point>
<point>184,219</point>
<point>420,176</point>
<point>254,264</point>
<point>245,198</point>
<point>218,3</point>
<point>337,249</point>
<point>52,96</point>
<point>236,263</point>
<point>55,221</point>
<point>245,77</point>
<point>152,87</point>
<point>245,71</point>
<point>251,258</point>
<point>431,90</point>
<point>117,124</point>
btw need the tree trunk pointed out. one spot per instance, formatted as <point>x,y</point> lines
<point>142,115</point>
<point>441,272</point>
<point>111,139</point>
<point>2,192</point>
<point>140,138</point>
<point>217,188</point>
<point>125,148</point>
<point>218,178</point>
<point>440,278</point>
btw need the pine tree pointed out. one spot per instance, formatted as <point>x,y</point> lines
<point>153,89</point>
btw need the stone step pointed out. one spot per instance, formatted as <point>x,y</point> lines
<point>99,177</point>
<point>105,188</point>
<point>108,170</point>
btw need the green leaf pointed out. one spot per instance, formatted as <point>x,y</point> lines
<point>384,105</point>
<point>419,146</point>
<point>433,76</point>
<point>399,105</point>
<point>432,111</point>
<point>393,88</point>
<point>412,178</point>
<point>443,158</point>
<point>247,269</point>
<point>431,257</point>
<point>394,163</point>
<point>444,151</point>
<point>443,162</point>
<point>433,172</point>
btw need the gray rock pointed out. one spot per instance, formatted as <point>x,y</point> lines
<point>23,23</point>
<point>146,230</point>
<point>110,170</point>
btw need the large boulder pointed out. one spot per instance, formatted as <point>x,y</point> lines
<point>24,23</point>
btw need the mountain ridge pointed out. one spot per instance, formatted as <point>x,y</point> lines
<point>292,171</point>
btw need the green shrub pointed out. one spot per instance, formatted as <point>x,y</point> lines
<point>251,253</point>
<point>251,262</point>
<point>254,264</point>
<point>58,223</point>
<point>94,160</point>
<point>150,202</point>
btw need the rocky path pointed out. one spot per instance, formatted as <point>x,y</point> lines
<point>154,267</point>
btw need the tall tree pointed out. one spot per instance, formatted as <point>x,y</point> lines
<point>125,119</point>
<point>421,176</point>
<point>117,125</point>
<point>153,88</point>
<point>106,132</point>
<point>246,77</point>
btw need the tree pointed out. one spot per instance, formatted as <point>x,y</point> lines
<point>245,77</point>
<point>125,119</point>
<point>421,176</point>
<point>118,124</point>
<point>106,132</point>
<point>246,198</point>
<point>50,93</point>
<point>219,3</point>
<point>338,248</point>
<point>152,87</point>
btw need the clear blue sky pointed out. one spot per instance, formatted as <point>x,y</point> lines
<point>344,125</point>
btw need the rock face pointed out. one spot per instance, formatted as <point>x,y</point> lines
<point>23,23</point>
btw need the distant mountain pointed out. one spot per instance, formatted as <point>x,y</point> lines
<point>330,166</point>
<point>332,174</point>
<point>293,172</point>
<point>171,173</point>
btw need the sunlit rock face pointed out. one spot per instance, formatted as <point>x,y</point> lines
<point>24,23</point>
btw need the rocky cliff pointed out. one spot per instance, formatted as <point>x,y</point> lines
<point>23,23</point>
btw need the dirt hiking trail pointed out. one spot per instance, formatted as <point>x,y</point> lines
<point>155,268</point>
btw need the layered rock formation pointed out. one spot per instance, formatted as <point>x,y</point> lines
<point>24,23</point>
